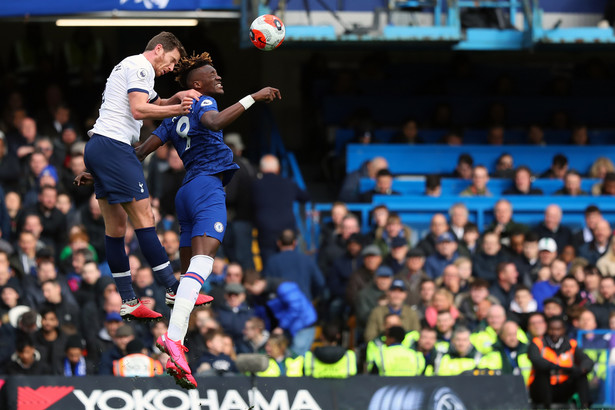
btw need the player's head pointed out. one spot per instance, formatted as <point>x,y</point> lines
<point>198,72</point>
<point>164,51</point>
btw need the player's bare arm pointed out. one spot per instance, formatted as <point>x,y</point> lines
<point>84,178</point>
<point>179,97</point>
<point>150,145</point>
<point>141,109</point>
<point>217,120</point>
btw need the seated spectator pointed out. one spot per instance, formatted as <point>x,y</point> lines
<point>74,362</point>
<point>281,361</point>
<point>545,289</point>
<point>470,238</point>
<point>461,357</point>
<point>384,186</point>
<point>504,166</point>
<point>136,362</point>
<point>349,192</point>
<point>486,260</point>
<point>378,221</point>
<point>579,135</point>
<point>570,293</point>
<point>559,368</point>
<point>330,360</point>
<point>464,266</point>
<point>553,307</point>
<point>408,133</point>
<point>503,289</point>
<point>360,278</point>
<point>170,242</point>
<point>123,335</point>
<point>427,289</point>
<point>468,302</point>
<point>572,184</point>
<point>394,228</point>
<point>559,167</point>
<point>464,167</point>
<point>67,311</point>
<point>522,306</point>
<point>522,183</point>
<point>509,355</point>
<point>446,254</point>
<point>202,320</point>
<point>214,362</point>
<point>450,280</point>
<point>606,303</point>
<point>535,135</point>
<point>374,294</point>
<point>458,214</point>
<point>395,303</point>
<point>594,250</point>
<point>26,360</point>
<point>592,215</point>
<point>332,250</point>
<point>599,169</point>
<point>445,325</point>
<point>433,185</point>
<point>551,227</point>
<point>480,178</point>
<point>589,279</point>
<point>235,312</point>
<point>452,138</point>
<point>437,227</point>
<point>536,325</point>
<point>442,301</point>
<point>608,184</point>
<point>331,229</point>
<point>396,259</point>
<point>503,223</point>
<point>255,337</point>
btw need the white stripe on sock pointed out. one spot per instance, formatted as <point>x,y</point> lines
<point>121,274</point>
<point>161,267</point>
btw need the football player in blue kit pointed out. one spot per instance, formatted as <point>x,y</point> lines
<point>119,183</point>
<point>200,201</point>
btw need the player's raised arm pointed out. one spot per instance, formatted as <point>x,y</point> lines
<point>141,109</point>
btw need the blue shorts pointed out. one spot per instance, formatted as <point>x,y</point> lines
<point>201,209</point>
<point>118,174</point>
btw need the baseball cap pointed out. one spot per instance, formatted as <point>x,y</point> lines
<point>547,244</point>
<point>371,250</point>
<point>124,331</point>
<point>113,317</point>
<point>398,241</point>
<point>398,284</point>
<point>384,271</point>
<point>234,288</point>
<point>446,237</point>
<point>416,253</point>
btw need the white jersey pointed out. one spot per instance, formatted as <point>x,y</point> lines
<point>134,73</point>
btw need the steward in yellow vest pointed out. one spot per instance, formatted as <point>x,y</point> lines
<point>280,363</point>
<point>461,357</point>
<point>508,356</point>
<point>394,359</point>
<point>331,360</point>
<point>484,339</point>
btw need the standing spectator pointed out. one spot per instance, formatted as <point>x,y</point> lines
<point>273,197</point>
<point>50,341</point>
<point>485,262</point>
<point>592,216</point>
<point>237,242</point>
<point>504,225</point>
<point>594,250</point>
<point>292,265</point>
<point>372,258</point>
<point>480,178</point>
<point>384,186</point>
<point>340,272</point>
<point>522,183</point>
<point>349,192</point>
<point>446,253</point>
<point>559,167</point>
<point>235,312</point>
<point>551,227</point>
<point>331,229</point>
<point>413,274</point>
<point>572,184</point>
<point>282,304</point>
<point>559,368</point>
<point>504,287</point>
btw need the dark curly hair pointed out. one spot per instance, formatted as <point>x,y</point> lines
<point>187,64</point>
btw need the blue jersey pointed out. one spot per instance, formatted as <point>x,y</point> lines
<point>202,150</point>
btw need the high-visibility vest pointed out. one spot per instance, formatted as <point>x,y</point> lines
<point>493,361</point>
<point>294,368</point>
<point>398,360</point>
<point>342,369</point>
<point>452,366</point>
<point>564,359</point>
<point>137,365</point>
<point>484,340</point>
<point>600,365</point>
<point>411,338</point>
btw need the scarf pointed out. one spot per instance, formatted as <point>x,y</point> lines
<point>79,368</point>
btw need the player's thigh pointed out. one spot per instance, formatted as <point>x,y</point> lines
<point>205,245</point>
<point>140,213</point>
<point>114,217</point>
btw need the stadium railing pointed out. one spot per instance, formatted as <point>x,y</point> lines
<point>606,392</point>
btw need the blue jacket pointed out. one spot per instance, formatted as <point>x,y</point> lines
<point>233,321</point>
<point>543,290</point>
<point>435,264</point>
<point>299,268</point>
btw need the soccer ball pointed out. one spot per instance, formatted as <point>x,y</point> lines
<point>267,32</point>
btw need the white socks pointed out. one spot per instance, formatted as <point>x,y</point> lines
<point>189,287</point>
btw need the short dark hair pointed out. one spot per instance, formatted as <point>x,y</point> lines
<point>168,41</point>
<point>384,173</point>
<point>432,181</point>
<point>397,333</point>
<point>531,236</point>
<point>24,341</point>
<point>560,161</point>
<point>521,168</point>
<point>465,158</point>
<point>470,227</point>
<point>591,209</point>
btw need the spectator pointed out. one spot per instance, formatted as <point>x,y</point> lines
<point>255,337</point>
<point>170,242</point>
<point>461,357</point>
<point>464,167</point>
<point>470,238</point>
<point>599,169</point>
<point>437,227</point>
<point>433,186</point>
<point>559,368</point>
<point>292,265</point>
<point>451,280</point>
<point>349,192</point>
<point>484,339</point>
<point>79,194</point>
<point>273,197</point>
<point>286,306</point>
<point>572,184</point>
<point>570,293</point>
<point>485,261</point>
<point>395,359</point>
<point>536,325</point>
<point>281,362</point>
<point>214,361</point>
<point>331,360</point>
<point>378,221</point>
<point>359,279</point>
<point>26,360</point>
<point>340,272</point>
<point>372,295</point>
<point>235,312</point>
<point>559,167</point>
<point>396,259</point>
<point>9,166</point>
<point>458,214</point>
<point>608,184</point>
<point>74,363</point>
<point>480,178</point>
<point>522,183</point>
<point>553,307</point>
<point>396,297</point>
<point>146,288</point>
<point>594,250</point>
<point>336,248</point>
<point>50,341</point>
<point>551,227</point>
<point>606,303</point>
<point>470,301</point>
<point>123,335</point>
<point>522,306</point>
<point>446,254</point>
<point>504,225</point>
<point>413,274</point>
<point>445,325</point>
<point>441,301</point>
<point>394,228</point>
<point>201,321</point>
<point>545,289</point>
<point>504,166</point>
<point>331,230</point>
<point>67,311</point>
<point>136,363</point>
<point>535,135</point>
<point>592,216</point>
<point>384,186</point>
<point>504,287</point>
<point>90,216</point>
<point>408,133</point>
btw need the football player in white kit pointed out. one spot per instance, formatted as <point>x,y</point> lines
<point>119,183</point>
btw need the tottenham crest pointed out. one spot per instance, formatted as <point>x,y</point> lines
<point>219,227</point>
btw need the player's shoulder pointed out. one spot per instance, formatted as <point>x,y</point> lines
<point>207,101</point>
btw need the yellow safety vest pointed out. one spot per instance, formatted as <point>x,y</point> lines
<point>493,361</point>
<point>342,369</point>
<point>600,365</point>
<point>398,360</point>
<point>452,366</point>
<point>294,368</point>
<point>484,340</point>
